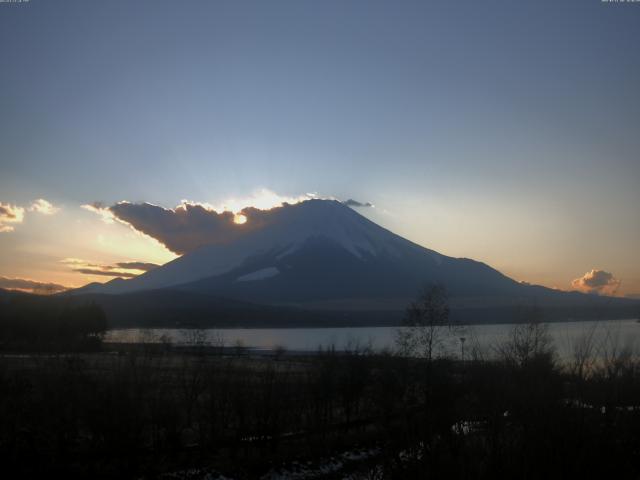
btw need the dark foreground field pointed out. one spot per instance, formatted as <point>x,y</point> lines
<point>158,413</point>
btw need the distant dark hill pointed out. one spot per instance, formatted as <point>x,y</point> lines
<point>93,287</point>
<point>186,309</point>
<point>181,309</point>
<point>169,308</point>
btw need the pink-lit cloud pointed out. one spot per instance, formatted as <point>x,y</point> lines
<point>596,282</point>
<point>43,206</point>
<point>10,215</point>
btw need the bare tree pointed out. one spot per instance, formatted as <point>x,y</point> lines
<point>196,338</point>
<point>217,342</point>
<point>528,341</point>
<point>584,354</point>
<point>422,333</point>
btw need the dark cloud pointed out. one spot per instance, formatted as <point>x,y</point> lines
<point>107,273</point>
<point>596,282</point>
<point>182,229</point>
<point>121,269</point>
<point>356,204</point>
<point>188,226</point>
<point>137,266</point>
<point>31,286</point>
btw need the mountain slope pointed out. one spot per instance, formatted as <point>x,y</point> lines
<point>320,254</point>
<point>318,249</point>
<point>321,263</point>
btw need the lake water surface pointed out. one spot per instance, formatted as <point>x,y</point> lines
<point>565,335</point>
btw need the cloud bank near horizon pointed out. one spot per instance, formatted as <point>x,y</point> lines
<point>31,286</point>
<point>120,269</point>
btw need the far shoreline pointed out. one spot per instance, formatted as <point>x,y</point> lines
<point>364,325</point>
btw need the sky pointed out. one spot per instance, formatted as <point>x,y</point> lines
<point>506,132</point>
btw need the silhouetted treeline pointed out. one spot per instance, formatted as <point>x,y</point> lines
<point>33,323</point>
<point>515,413</point>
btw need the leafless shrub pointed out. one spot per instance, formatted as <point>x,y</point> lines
<point>217,342</point>
<point>527,342</point>
<point>426,324</point>
<point>239,347</point>
<point>584,354</point>
<point>279,351</point>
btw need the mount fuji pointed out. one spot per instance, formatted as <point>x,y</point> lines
<point>321,255</point>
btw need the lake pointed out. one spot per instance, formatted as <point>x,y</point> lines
<point>605,333</point>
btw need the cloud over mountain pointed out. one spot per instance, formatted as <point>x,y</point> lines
<point>120,269</point>
<point>191,225</point>
<point>188,226</point>
<point>182,229</point>
<point>144,266</point>
<point>596,282</point>
<point>105,273</point>
<point>356,204</point>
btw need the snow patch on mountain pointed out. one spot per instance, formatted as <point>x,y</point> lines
<point>259,274</point>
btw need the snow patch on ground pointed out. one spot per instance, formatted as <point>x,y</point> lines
<point>323,468</point>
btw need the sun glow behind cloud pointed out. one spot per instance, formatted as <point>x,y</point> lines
<point>239,219</point>
<point>86,236</point>
<point>263,199</point>
<point>42,239</point>
<point>126,242</point>
<point>107,240</point>
<point>193,224</point>
<point>99,209</point>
